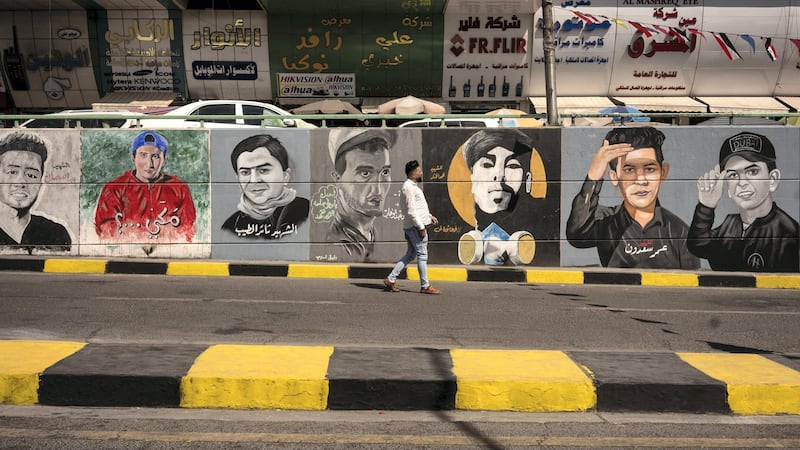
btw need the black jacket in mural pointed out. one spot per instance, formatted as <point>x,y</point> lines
<point>770,243</point>
<point>284,221</point>
<point>40,234</point>
<point>621,241</point>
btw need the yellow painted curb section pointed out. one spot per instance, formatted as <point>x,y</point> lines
<point>778,281</point>
<point>258,377</point>
<point>520,380</point>
<point>756,385</point>
<point>74,266</point>
<point>554,277</point>
<point>439,274</point>
<point>317,271</point>
<point>198,268</point>
<point>21,363</point>
<point>669,279</point>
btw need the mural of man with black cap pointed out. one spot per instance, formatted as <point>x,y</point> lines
<point>639,232</point>
<point>762,237</point>
<point>362,172</point>
<point>145,203</point>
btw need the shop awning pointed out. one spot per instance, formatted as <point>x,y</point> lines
<point>573,105</point>
<point>794,102</point>
<point>135,100</point>
<point>744,105</point>
<point>663,104</point>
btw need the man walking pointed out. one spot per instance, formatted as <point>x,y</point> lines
<point>416,217</point>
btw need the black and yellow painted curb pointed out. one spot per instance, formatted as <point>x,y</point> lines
<point>379,271</point>
<point>351,378</point>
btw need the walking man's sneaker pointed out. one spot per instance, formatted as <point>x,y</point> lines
<point>430,290</point>
<point>391,285</point>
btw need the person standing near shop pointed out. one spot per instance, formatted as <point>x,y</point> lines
<point>416,217</point>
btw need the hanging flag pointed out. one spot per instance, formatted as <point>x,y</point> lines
<point>726,45</point>
<point>749,40</point>
<point>619,22</point>
<point>771,52</point>
<point>585,17</point>
<point>640,28</point>
<point>697,32</point>
<point>796,43</point>
<point>680,34</point>
<point>661,29</point>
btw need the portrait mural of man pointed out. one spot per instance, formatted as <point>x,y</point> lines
<point>22,164</point>
<point>638,233</point>
<point>145,204</point>
<point>761,237</point>
<point>268,208</point>
<point>501,165</point>
<point>362,176</point>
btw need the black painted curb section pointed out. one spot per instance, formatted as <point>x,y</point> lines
<point>136,267</point>
<point>612,278</point>
<point>391,379</point>
<point>119,375</point>
<point>651,382</point>
<point>735,281</point>
<point>28,265</point>
<point>372,272</point>
<point>258,270</point>
<point>507,275</point>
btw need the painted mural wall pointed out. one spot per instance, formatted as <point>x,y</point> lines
<point>717,198</point>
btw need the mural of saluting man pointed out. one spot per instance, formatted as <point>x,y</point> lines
<point>639,232</point>
<point>145,203</point>
<point>762,237</point>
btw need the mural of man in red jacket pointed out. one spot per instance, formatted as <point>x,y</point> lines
<point>146,205</point>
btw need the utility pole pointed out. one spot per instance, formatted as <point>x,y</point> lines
<point>549,64</point>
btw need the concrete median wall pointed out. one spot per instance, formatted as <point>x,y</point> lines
<point>501,199</point>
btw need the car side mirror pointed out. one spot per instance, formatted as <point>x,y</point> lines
<point>289,123</point>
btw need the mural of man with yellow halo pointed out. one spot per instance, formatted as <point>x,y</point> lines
<point>494,161</point>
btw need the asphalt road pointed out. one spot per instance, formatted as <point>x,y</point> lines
<point>261,310</point>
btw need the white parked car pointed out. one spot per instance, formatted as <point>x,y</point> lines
<point>467,123</point>
<point>226,108</point>
<point>85,118</point>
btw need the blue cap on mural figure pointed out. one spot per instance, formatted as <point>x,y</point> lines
<point>150,138</point>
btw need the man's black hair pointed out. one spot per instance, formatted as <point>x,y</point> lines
<point>411,166</point>
<point>639,137</point>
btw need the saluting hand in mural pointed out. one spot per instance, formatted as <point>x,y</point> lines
<point>761,237</point>
<point>639,232</point>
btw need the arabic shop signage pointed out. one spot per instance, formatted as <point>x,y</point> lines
<point>486,56</point>
<point>224,70</point>
<point>141,54</point>
<point>391,53</point>
<point>234,35</point>
<point>316,85</point>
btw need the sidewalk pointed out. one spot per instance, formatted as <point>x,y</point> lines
<point>350,378</point>
<point>379,271</point>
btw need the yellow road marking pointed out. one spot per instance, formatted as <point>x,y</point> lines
<point>756,385</point>
<point>778,281</point>
<point>198,268</point>
<point>258,376</point>
<point>439,273</point>
<point>669,279</point>
<point>554,277</point>
<point>317,271</point>
<point>74,266</point>
<point>520,380</point>
<point>21,363</point>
